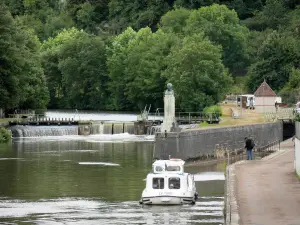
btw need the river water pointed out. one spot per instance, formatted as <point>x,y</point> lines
<point>94,180</point>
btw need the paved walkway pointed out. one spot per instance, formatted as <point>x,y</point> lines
<point>267,191</point>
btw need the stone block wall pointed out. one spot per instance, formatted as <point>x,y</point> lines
<point>191,144</point>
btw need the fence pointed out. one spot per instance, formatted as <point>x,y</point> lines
<point>281,114</point>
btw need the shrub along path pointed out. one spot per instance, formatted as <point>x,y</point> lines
<point>268,191</point>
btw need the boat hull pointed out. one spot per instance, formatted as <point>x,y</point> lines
<point>167,200</point>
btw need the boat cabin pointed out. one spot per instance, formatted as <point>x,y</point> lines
<point>172,165</point>
<point>168,184</point>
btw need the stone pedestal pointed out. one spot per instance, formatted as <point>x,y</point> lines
<point>169,113</point>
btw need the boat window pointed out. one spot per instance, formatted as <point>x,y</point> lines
<point>158,183</point>
<point>174,183</point>
<point>173,168</point>
<point>159,168</point>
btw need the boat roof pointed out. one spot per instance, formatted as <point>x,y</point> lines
<point>170,162</point>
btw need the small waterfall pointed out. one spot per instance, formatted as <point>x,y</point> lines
<point>100,127</point>
<point>37,131</point>
<point>107,128</point>
<point>97,128</point>
<point>118,128</point>
<point>129,128</point>
<point>153,129</point>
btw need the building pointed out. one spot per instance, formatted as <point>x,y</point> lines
<point>265,98</point>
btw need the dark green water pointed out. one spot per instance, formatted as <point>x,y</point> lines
<point>81,180</point>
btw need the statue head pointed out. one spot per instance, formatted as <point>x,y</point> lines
<point>169,86</point>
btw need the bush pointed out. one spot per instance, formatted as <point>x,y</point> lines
<point>213,109</point>
<point>5,135</point>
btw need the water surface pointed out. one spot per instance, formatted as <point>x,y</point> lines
<point>94,180</point>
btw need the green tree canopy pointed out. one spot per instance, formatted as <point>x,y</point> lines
<point>291,91</point>
<point>82,62</point>
<point>75,65</point>
<point>195,69</point>
<point>222,27</point>
<point>136,14</point>
<point>175,20</point>
<point>136,62</point>
<point>21,75</point>
<point>276,57</point>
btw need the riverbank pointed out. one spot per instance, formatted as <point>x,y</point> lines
<point>264,191</point>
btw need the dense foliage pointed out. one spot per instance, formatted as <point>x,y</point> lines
<point>5,135</point>
<point>119,54</point>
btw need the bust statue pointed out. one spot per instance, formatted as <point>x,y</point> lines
<point>169,90</point>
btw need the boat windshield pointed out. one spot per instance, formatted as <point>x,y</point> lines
<point>173,168</point>
<point>159,168</point>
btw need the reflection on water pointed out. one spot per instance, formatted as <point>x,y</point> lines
<point>83,180</point>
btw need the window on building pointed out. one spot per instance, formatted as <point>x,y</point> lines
<point>158,183</point>
<point>174,183</point>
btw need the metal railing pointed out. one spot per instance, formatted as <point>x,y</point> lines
<point>281,114</point>
<point>189,117</point>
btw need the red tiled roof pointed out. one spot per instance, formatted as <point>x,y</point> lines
<point>264,90</point>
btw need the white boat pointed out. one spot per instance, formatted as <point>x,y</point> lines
<point>168,184</point>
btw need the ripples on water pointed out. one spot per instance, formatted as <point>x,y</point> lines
<point>95,179</point>
<point>96,211</point>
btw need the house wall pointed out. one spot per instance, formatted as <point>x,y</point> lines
<point>265,104</point>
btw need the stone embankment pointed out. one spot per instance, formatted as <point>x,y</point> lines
<point>193,144</point>
<point>264,192</point>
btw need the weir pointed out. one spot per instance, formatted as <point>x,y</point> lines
<point>36,131</point>
<point>88,128</point>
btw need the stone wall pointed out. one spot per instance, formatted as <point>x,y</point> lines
<point>191,144</point>
<point>297,148</point>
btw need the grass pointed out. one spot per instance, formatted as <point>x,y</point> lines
<point>5,120</point>
<point>246,117</point>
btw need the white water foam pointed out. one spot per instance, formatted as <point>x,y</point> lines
<point>124,137</point>
<point>99,163</point>
<point>208,176</point>
<point>11,159</point>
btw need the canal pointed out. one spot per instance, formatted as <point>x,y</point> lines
<point>94,179</point>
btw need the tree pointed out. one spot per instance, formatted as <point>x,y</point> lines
<point>82,62</point>
<point>195,69</point>
<point>174,21</point>
<point>50,58</point>
<point>222,27</point>
<point>75,65</point>
<point>21,75</point>
<point>136,14</point>
<point>291,91</point>
<point>135,65</point>
<point>194,4</point>
<point>85,17</point>
<point>145,64</point>
<point>116,64</point>
<point>276,58</point>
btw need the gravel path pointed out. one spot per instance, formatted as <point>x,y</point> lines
<point>268,191</point>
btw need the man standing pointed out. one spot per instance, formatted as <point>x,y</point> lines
<point>249,145</point>
<point>276,105</point>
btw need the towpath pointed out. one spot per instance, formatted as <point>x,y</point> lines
<point>267,191</point>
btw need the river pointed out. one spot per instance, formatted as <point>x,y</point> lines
<point>94,179</point>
